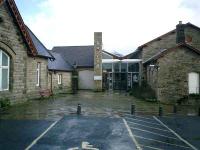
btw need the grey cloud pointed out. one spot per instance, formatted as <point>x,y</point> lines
<point>194,5</point>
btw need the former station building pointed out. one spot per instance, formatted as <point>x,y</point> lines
<point>170,64</point>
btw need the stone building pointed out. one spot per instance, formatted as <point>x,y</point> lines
<point>60,75</point>
<point>171,62</point>
<point>23,59</point>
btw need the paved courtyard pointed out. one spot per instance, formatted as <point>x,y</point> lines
<point>105,124</point>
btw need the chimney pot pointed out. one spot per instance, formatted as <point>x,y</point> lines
<point>180,22</point>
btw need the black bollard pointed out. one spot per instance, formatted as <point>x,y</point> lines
<point>79,109</point>
<point>160,113</point>
<point>132,109</point>
<point>199,112</point>
<point>175,109</point>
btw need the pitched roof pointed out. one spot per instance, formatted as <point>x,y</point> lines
<point>41,49</point>
<point>165,51</point>
<point>83,56</point>
<point>58,64</point>
<point>166,34</point>
<point>131,54</point>
<point>15,12</point>
<point>111,54</point>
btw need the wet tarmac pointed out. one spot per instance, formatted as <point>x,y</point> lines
<point>105,123</point>
<point>98,104</point>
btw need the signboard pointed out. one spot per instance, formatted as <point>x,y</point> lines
<point>97,78</point>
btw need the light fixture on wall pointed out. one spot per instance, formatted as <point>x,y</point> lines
<point>75,65</point>
<point>153,66</point>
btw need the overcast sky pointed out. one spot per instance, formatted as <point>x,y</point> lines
<point>126,24</point>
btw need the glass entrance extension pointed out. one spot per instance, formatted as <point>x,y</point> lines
<point>120,74</point>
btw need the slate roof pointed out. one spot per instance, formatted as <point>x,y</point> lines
<point>41,49</point>
<point>83,56</point>
<point>58,64</point>
<point>17,17</point>
<point>165,51</point>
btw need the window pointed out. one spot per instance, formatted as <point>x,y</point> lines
<point>4,71</point>
<point>116,67</point>
<point>123,67</point>
<point>193,83</point>
<point>133,67</point>
<point>107,67</point>
<point>38,74</point>
<point>59,79</point>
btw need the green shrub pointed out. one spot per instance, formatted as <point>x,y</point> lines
<point>4,102</point>
<point>144,92</point>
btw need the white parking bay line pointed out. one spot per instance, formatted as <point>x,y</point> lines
<point>132,136</point>
<point>139,120</point>
<point>186,142</point>
<point>146,118</point>
<point>39,137</point>
<point>133,123</point>
<point>151,147</point>
<point>154,133</point>
<point>141,137</point>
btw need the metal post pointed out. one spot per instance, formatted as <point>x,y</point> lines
<point>199,112</point>
<point>79,109</point>
<point>175,109</point>
<point>132,109</point>
<point>160,113</point>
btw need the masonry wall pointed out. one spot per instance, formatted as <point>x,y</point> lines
<point>12,43</point>
<point>22,84</point>
<point>192,37</point>
<point>65,86</point>
<point>173,73</point>
<point>154,47</point>
<point>31,87</point>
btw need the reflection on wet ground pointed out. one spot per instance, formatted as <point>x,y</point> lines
<point>103,104</point>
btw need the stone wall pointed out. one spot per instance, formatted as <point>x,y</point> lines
<point>192,37</point>
<point>12,43</point>
<point>65,86</point>
<point>98,60</point>
<point>173,73</point>
<point>22,85</point>
<point>32,88</point>
<point>153,48</point>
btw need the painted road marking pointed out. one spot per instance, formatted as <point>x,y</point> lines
<point>186,142</point>
<point>144,121</point>
<point>148,126</point>
<point>141,137</point>
<point>152,119</point>
<point>131,135</point>
<point>39,137</point>
<point>154,133</point>
<point>151,147</point>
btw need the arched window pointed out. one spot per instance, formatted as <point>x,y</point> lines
<point>4,71</point>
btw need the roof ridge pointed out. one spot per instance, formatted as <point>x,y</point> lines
<point>13,7</point>
<point>156,56</point>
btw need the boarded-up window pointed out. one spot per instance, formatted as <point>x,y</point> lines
<point>193,83</point>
